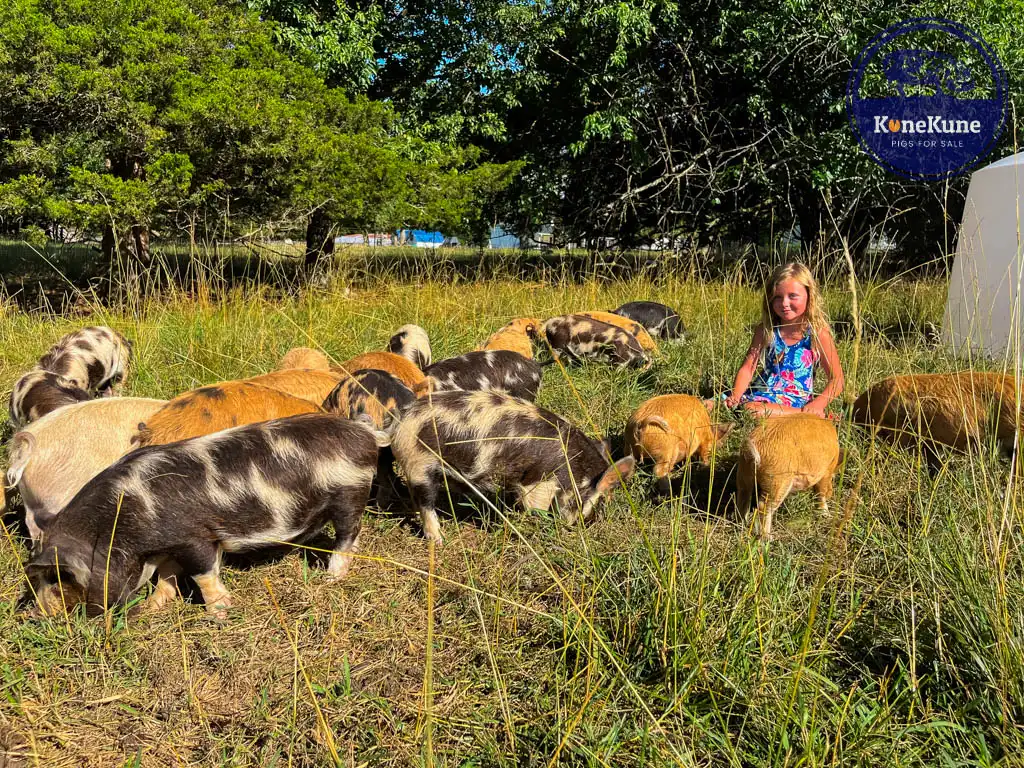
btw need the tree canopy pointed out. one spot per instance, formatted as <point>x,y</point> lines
<point>653,118</point>
<point>186,114</point>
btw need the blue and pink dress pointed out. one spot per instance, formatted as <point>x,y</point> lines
<point>787,373</point>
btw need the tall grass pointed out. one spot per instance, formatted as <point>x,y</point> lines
<point>890,634</point>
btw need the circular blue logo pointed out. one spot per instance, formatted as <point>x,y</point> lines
<point>927,98</point>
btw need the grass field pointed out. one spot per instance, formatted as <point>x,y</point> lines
<point>889,635</point>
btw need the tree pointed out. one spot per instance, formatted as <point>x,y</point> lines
<point>184,114</point>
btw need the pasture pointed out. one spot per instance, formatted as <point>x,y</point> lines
<point>890,634</point>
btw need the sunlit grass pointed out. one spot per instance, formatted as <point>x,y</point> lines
<point>890,634</point>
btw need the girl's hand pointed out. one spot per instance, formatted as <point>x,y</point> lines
<point>733,400</point>
<point>816,408</point>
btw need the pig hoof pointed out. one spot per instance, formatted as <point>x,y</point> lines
<point>219,610</point>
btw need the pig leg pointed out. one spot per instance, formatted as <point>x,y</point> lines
<point>348,519</point>
<point>766,510</point>
<point>166,587</point>
<point>202,561</point>
<point>744,492</point>
<point>424,500</point>
<point>824,490</point>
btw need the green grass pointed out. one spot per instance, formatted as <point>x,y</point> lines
<point>892,634</point>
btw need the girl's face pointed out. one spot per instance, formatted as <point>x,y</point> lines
<point>789,301</point>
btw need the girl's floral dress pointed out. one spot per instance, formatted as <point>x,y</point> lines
<point>787,374</point>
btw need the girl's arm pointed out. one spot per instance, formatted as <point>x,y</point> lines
<point>747,369</point>
<point>833,369</point>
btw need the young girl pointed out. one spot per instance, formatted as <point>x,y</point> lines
<point>792,339</point>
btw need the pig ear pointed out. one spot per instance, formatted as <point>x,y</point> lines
<point>617,473</point>
<point>424,387</point>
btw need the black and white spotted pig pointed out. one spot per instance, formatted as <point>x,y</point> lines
<point>660,320</point>
<point>96,359</point>
<point>412,343</point>
<point>174,509</point>
<point>372,392</point>
<point>578,337</point>
<point>40,392</point>
<point>497,370</point>
<point>491,440</point>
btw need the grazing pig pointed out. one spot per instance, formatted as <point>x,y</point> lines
<point>401,368</point>
<point>52,458</point>
<point>497,371</point>
<point>40,392</point>
<point>670,429</point>
<point>629,326</point>
<point>961,410</point>
<point>790,453</point>
<point>95,359</point>
<point>491,440</point>
<point>412,343</point>
<point>373,393</point>
<point>304,357</point>
<point>576,337</point>
<point>216,407</point>
<point>174,509</point>
<point>308,384</point>
<point>660,320</point>
<point>516,336</point>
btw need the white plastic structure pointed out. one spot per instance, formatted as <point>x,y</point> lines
<point>983,308</point>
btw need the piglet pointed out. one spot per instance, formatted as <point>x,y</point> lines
<point>492,370</point>
<point>670,429</point>
<point>632,327</point>
<point>515,336</point>
<point>660,320</point>
<point>489,440</point>
<point>95,359</point>
<point>784,454</point>
<point>373,393</point>
<point>174,509</point>
<point>401,368</point>
<point>577,337</point>
<point>52,458</point>
<point>40,392</point>
<point>304,357</point>
<point>412,343</point>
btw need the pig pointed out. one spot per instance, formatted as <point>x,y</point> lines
<point>576,337</point>
<point>95,359</point>
<point>516,336</point>
<point>374,393</point>
<point>304,357</point>
<point>412,343</point>
<point>783,454</point>
<point>490,440</point>
<point>660,320</point>
<point>381,398</point>
<point>961,410</point>
<point>499,371</point>
<point>218,406</point>
<point>40,392</point>
<point>630,326</point>
<point>401,368</point>
<point>174,509</point>
<point>309,384</point>
<point>52,458</point>
<point>669,429</point>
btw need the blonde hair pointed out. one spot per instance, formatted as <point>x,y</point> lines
<point>794,270</point>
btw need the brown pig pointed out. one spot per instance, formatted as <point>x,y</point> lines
<point>784,454</point>
<point>670,429</point>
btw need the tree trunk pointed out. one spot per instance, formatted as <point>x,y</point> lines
<point>133,245</point>
<point>319,238</point>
